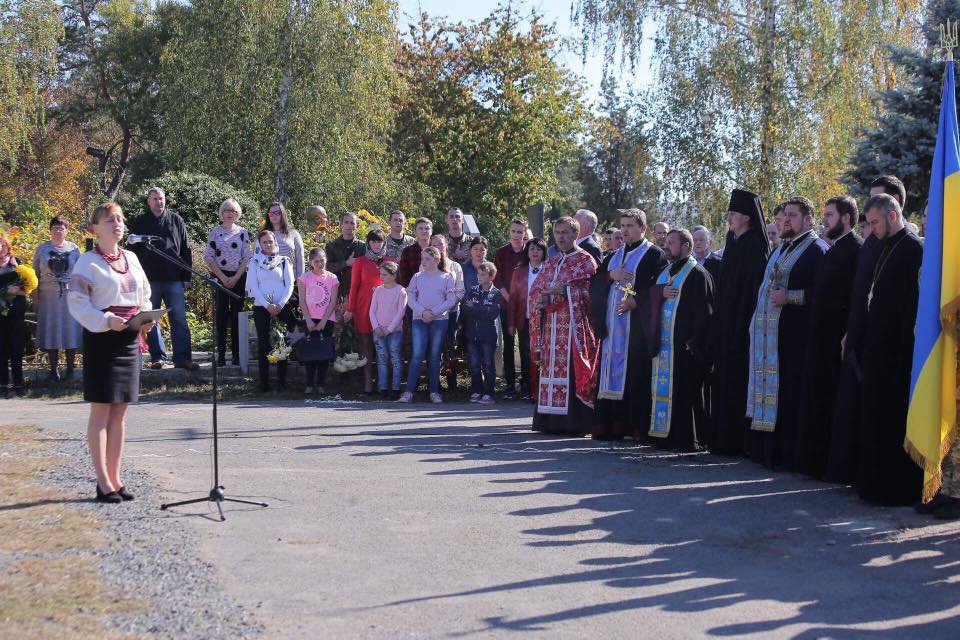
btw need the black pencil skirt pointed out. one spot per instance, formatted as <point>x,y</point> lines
<point>111,366</point>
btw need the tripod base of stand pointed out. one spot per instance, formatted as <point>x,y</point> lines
<point>217,497</point>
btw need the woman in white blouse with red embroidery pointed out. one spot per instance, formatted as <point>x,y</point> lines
<point>107,288</point>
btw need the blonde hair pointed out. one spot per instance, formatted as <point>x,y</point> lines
<point>105,209</point>
<point>228,203</point>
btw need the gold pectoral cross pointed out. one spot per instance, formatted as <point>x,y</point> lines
<point>628,293</point>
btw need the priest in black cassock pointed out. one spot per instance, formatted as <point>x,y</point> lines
<point>844,432</point>
<point>886,474</point>
<point>777,391</point>
<point>623,317</point>
<point>741,271</point>
<point>680,414</point>
<point>711,261</point>
<point>829,311</point>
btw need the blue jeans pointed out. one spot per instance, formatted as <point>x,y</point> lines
<point>432,335</point>
<point>483,372</point>
<point>389,351</point>
<point>171,294</point>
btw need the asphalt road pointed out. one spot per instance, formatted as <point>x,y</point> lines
<point>389,521</point>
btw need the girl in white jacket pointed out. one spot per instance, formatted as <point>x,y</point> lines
<point>270,284</point>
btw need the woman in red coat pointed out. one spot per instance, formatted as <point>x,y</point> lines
<point>364,278</point>
<point>534,254</point>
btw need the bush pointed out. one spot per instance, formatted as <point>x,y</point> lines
<point>196,197</point>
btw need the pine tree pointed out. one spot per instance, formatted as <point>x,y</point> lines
<point>903,140</point>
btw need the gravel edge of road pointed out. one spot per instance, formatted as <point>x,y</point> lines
<point>152,555</point>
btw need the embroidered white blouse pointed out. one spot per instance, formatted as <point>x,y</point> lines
<point>95,286</point>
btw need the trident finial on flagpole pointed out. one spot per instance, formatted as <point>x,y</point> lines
<point>949,39</point>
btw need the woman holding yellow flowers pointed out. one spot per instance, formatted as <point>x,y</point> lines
<point>17,281</point>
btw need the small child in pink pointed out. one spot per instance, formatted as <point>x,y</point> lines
<point>386,316</point>
<point>318,302</point>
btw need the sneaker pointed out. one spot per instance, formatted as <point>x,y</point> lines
<point>474,397</point>
<point>510,393</point>
<point>435,398</point>
<point>395,395</point>
<point>156,365</point>
<point>406,397</point>
<point>487,400</point>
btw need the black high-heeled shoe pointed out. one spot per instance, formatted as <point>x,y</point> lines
<point>108,498</point>
<point>123,493</point>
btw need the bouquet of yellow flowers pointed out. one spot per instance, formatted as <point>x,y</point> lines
<point>281,350</point>
<point>23,277</point>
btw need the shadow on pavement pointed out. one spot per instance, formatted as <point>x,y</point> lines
<point>709,533</point>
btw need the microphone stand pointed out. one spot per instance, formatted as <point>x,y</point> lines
<point>216,494</point>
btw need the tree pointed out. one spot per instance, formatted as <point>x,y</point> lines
<point>767,94</point>
<point>487,118</point>
<point>903,140</point>
<point>617,162</point>
<point>29,33</point>
<point>291,102</point>
<point>110,61</point>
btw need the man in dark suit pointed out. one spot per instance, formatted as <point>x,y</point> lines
<point>702,251</point>
<point>586,239</point>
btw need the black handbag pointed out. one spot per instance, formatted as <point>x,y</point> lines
<point>315,347</point>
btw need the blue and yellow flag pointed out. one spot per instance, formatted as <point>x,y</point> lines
<point>932,417</point>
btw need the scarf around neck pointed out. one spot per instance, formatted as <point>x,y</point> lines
<point>378,256</point>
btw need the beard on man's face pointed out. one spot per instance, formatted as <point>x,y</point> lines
<point>836,230</point>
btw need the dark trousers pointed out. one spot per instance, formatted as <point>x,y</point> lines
<point>482,366</point>
<point>262,321</point>
<point>316,372</point>
<point>523,342</point>
<point>227,316</point>
<point>12,340</point>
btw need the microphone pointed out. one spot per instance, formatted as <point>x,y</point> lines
<point>134,238</point>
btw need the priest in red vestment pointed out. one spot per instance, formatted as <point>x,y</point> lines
<point>563,348</point>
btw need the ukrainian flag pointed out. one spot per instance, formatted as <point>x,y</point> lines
<point>932,417</point>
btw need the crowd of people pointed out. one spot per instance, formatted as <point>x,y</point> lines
<point>791,345</point>
<point>795,353</point>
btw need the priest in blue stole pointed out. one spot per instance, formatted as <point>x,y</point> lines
<point>622,317</point>
<point>778,385</point>
<point>679,374</point>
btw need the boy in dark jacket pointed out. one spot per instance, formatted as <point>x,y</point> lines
<point>480,309</point>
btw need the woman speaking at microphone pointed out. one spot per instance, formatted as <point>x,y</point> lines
<point>107,288</point>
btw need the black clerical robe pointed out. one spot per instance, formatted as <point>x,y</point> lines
<point>712,264</point>
<point>829,310</point>
<point>741,272</point>
<point>683,361</point>
<point>780,448</point>
<point>886,474</point>
<point>629,416</point>
<point>845,426</point>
